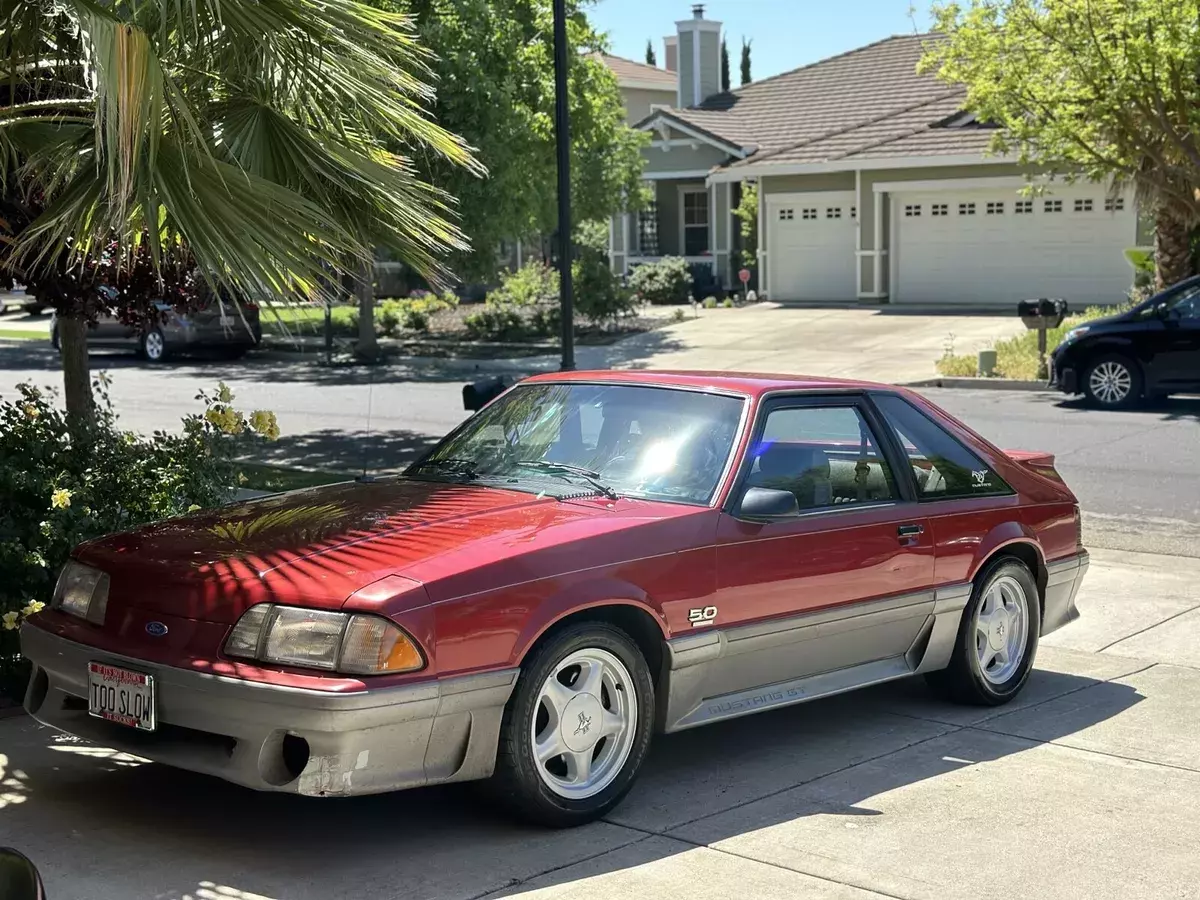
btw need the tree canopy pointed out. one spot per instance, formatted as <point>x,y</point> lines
<point>651,59</point>
<point>745,65</point>
<point>495,87</point>
<point>1093,89</point>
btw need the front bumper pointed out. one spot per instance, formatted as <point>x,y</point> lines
<point>1063,578</point>
<point>1065,378</point>
<point>339,745</point>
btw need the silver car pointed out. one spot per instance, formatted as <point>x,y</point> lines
<point>215,326</point>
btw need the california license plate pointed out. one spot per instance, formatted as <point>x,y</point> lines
<point>121,696</point>
<point>226,321</point>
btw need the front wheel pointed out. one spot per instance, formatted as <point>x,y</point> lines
<point>577,728</point>
<point>997,638</point>
<point>1113,382</point>
<point>153,346</point>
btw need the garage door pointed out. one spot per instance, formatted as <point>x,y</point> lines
<point>998,247</point>
<point>810,246</point>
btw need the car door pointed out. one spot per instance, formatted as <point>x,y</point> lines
<point>1178,354</point>
<point>845,582</point>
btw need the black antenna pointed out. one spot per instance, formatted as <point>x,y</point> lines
<point>366,477</point>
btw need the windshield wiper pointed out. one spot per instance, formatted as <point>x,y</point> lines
<point>553,468</point>
<point>449,464</point>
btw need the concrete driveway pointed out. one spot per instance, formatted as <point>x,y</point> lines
<point>1087,786</point>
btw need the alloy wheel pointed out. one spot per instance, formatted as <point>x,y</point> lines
<point>1110,382</point>
<point>584,723</point>
<point>1002,630</point>
<point>154,346</point>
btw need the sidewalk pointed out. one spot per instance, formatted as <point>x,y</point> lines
<point>1085,786</point>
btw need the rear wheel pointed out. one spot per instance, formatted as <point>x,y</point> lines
<point>1113,382</point>
<point>997,638</point>
<point>577,728</point>
<point>153,346</point>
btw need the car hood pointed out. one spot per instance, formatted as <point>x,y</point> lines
<point>315,547</point>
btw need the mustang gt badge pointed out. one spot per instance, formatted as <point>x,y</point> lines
<point>702,616</point>
<point>584,724</point>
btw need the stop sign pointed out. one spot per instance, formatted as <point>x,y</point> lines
<point>744,275</point>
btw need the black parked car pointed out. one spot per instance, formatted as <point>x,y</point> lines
<point>1152,350</point>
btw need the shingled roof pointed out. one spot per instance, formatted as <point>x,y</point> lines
<point>866,103</point>
<point>629,70</point>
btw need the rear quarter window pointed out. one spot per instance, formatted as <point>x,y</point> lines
<point>942,466</point>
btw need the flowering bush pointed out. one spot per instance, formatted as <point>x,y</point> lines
<point>62,484</point>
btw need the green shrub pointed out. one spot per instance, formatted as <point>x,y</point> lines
<point>960,365</point>
<point>710,303</point>
<point>665,281</point>
<point>546,321</point>
<point>678,315</point>
<point>60,487</point>
<point>388,317</point>
<point>495,323</point>
<point>727,303</point>
<point>534,284</point>
<point>599,294</point>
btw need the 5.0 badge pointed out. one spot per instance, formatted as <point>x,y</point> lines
<point>702,615</point>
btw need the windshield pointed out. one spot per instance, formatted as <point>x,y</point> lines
<point>563,439</point>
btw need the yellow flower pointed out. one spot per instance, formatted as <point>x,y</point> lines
<point>263,422</point>
<point>60,499</point>
<point>10,621</point>
<point>32,607</point>
<point>31,411</point>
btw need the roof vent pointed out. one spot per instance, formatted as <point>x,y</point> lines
<point>697,10</point>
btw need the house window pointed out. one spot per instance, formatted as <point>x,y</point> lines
<point>1023,207</point>
<point>939,209</point>
<point>833,212</point>
<point>1114,204</point>
<point>995,208</point>
<point>1052,206</point>
<point>695,222</point>
<point>647,230</point>
<point>966,209</point>
<point>808,214</point>
<point>1082,205</point>
<point>787,215</point>
<point>912,210</point>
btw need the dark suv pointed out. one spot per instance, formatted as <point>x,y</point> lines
<point>1150,351</point>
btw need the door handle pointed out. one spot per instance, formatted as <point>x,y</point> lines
<point>910,530</point>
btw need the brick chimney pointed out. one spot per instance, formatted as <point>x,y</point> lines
<point>698,54</point>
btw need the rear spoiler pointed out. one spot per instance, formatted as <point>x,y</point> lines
<point>1037,461</point>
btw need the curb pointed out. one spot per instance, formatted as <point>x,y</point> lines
<point>996,384</point>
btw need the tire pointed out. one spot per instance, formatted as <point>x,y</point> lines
<point>977,675</point>
<point>153,346</point>
<point>33,309</point>
<point>1112,382</point>
<point>551,793</point>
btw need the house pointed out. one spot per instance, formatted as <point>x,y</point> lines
<point>644,89</point>
<point>874,184</point>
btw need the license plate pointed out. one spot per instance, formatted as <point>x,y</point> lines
<point>121,696</point>
<point>226,321</point>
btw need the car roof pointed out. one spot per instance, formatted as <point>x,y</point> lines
<point>752,384</point>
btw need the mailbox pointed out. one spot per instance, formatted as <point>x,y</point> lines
<point>1042,313</point>
<point>480,393</point>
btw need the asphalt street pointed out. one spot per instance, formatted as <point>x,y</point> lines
<point>1134,472</point>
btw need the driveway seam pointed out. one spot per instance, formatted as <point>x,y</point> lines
<point>1149,627</point>
<point>517,882</point>
<point>1057,743</point>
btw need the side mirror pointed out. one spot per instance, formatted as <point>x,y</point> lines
<point>19,878</point>
<point>765,504</point>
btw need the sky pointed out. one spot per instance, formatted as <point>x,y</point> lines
<point>785,33</point>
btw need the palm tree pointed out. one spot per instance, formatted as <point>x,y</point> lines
<point>272,141</point>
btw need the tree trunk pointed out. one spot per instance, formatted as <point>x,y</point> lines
<point>368,347</point>
<point>77,382</point>
<point>1172,249</point>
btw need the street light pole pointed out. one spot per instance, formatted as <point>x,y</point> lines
<point>562,136</point>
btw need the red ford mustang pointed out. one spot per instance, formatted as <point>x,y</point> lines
<point>592,558</point>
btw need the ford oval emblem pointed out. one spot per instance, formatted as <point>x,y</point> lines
<point>156,629</point>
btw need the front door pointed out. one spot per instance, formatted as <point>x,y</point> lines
<point>847,581</point>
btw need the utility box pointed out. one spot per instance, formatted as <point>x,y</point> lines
<point>1042,313</point>
<point>479,394</point>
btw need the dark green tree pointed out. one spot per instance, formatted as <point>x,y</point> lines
<point>651,59</point>
<point>746,60</point>
<point>725,83</point>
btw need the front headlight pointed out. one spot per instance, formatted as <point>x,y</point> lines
<point>81,591</point>
<point>1075,333</point>
<point>353,643</point>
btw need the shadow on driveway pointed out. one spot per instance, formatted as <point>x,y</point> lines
<point>104,826</point>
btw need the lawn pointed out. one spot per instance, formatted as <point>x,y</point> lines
<point>285,320</point>
<point>265,477</point>
<point>21,334</point>
<point>1017,357</point>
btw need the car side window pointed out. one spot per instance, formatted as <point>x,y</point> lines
<point>1187,304</point>
<point>942,467</point>
<point>825,456</point>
